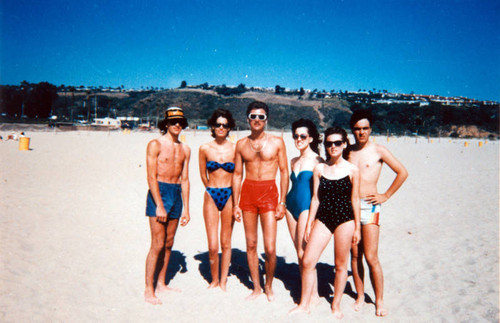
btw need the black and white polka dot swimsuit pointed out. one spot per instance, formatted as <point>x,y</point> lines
<point>335,205</point>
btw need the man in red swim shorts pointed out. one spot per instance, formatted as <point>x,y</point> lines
<point>261,154</point>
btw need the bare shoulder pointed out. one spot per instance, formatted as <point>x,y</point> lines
<point>276,138</point>
<point>382,150</point>
<point>154,145</point>
<point>241,142</point>
<point>204,147</point>
<point>277,141</point>
<point>186,149</point>
<point>318,169</point>
<point>353,169</point>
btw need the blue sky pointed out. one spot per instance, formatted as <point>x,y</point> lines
<point>449,48</point>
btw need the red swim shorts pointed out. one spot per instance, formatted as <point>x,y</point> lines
<point>259,197</point>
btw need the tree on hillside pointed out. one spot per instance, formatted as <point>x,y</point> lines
<point>183,84</point>
<point>38,103</point>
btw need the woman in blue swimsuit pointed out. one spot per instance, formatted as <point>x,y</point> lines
<point>306,138</point>
<point>335,210</point>
<point>216,160</point>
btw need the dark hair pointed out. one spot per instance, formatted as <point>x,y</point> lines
<point>359,115</point>
<point>258,105</point>
<point>336,131</point>
<point>221,113</point>
<point>311,130</point>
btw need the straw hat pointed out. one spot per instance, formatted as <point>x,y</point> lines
<point>173,115</point>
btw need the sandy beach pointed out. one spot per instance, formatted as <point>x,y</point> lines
<point>74,238</point>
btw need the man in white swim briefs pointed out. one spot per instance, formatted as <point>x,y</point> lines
<point>370,157</point>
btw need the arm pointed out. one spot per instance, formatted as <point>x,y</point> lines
<point>185,186</point>
<point>202,159</point>
<point>356,205</point>
<point>313,208</point>
<point>401,175</point>
<point>237,175</point>
<point>284,179</point>
<point>152,152</point>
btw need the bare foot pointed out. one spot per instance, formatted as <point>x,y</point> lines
<point>150,297</point>
<point>337,312</point>
<point>213,285</point>
<point>254,295</point>
<point>314,301</point>
<point>223,286</point>
<point>165,288</point>
<point>358,304</point>
<point>299,309</point>
<point>269,293</point>
<point>380,309</point>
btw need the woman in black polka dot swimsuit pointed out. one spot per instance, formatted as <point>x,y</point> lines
<point>335,205</point>
<point>334,210</point>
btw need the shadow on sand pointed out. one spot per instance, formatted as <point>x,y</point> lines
<point>288,273</point>
<point>176,264</point>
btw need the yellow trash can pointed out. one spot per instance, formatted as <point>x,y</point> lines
<point>24,143</point>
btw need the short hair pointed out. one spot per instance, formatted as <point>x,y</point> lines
<point>359,115</point>
<point>311,130</point>
<point>336,131</point>
<point>258,105</point>
<point>216,115</point>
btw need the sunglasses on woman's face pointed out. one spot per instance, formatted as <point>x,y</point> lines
<point>223,125</point>
<point>255,116</point>
<point>336,143</point>
<point>301,136</point>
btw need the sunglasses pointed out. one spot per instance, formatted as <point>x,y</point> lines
<point>181,123</point>
<point>336,143</point>
<point>223,125</point>
<point>255,116</point>
<point>301,136</point>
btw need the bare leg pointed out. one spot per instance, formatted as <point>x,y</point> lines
<point>211,215</point>
<point>292,227</point>
<point>358,273</point>
<point>343,240</point>
<point>319,238</point>
<point>250,225</point>
<point>157,242</point>
<point>227,222</point>
<point>169,242</point>
<point>370,237</point>
<point>269,227</point>
<point>301,228</point>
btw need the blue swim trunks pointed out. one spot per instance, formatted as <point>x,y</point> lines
<point>172,200</point>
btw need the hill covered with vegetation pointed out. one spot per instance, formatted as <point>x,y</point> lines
<point>39,101</point>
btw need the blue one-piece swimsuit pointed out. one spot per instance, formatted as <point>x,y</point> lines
<point>299,197</point>
<point>220,195</point>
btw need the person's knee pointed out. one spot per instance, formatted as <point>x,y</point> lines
<point>251,245</point>
<point>225,245</point>
<point>372,259</point>
<point>270,249</point>
<point>213,251</point>
<point>308,264</point>
<point>169,243</point>
<point>157,245</point>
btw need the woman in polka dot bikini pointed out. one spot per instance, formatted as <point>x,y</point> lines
<point>334,211</point>
<point>216,160</point>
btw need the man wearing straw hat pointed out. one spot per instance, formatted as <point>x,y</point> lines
<point>370,157</point>
<point>167,202</point>
<point>261,154</point>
